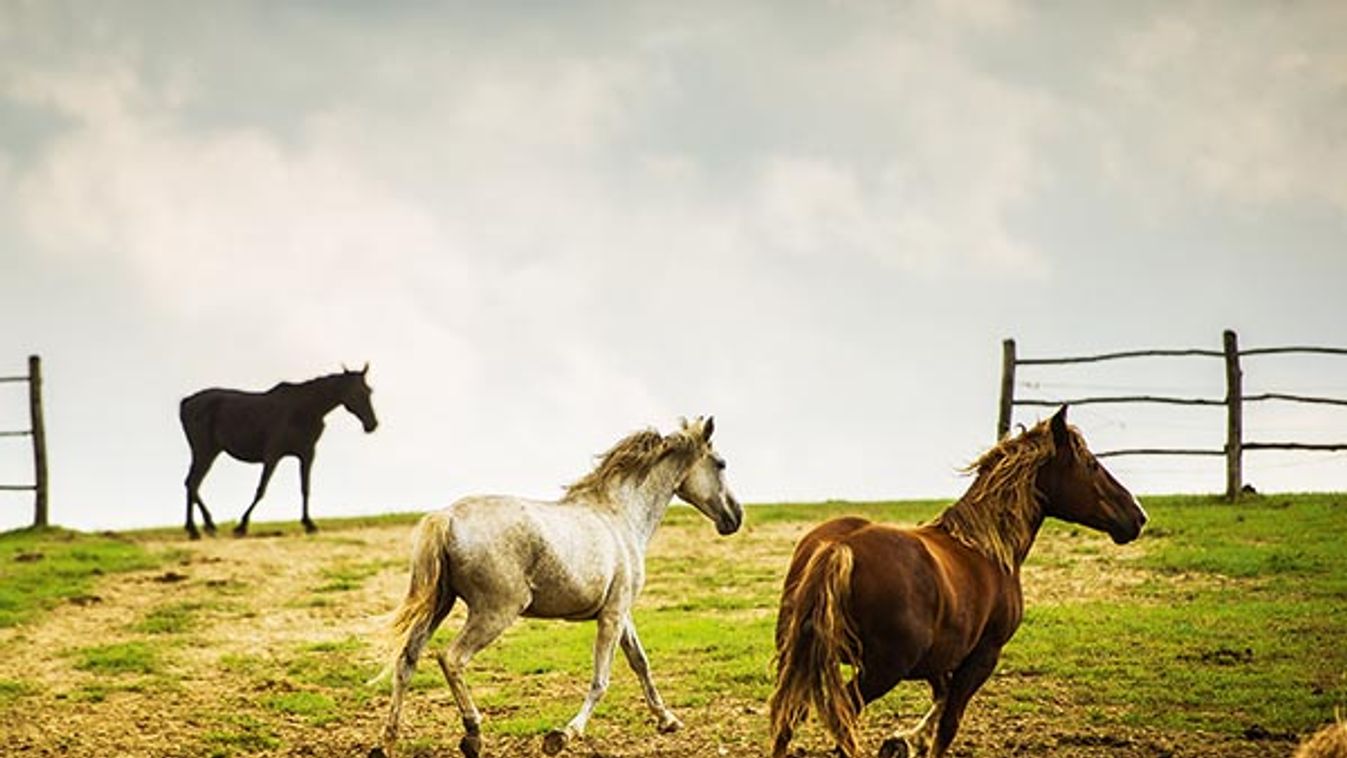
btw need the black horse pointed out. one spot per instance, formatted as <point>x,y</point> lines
<point>264,427</point>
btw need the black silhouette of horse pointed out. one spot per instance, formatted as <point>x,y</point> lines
<point>264,427</point>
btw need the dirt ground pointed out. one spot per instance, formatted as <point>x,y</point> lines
<point>256,598</point>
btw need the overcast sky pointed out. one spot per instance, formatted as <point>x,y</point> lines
<point>548,224</point>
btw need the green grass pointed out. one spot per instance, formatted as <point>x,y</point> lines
<point>314,707</point>
<point>240,735</point>
<point>40,568</point>
<point>1240,623</point>
<point>13,689</point>
<point>119,658</point>
<point>171,618</point>
<point>350,576</point>
<point>1222,617</point>
<point>329,664</point>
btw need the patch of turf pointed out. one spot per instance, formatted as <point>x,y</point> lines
<point>119,658</point>
<point>40,568</point>
<point>314,707</point>
<point>240,734</point>
<point>14,689</point>
<point>172,618</point>
<point>351,576</point>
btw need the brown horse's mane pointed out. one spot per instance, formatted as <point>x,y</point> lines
<point>633,457</point>
<point>1000,513</point>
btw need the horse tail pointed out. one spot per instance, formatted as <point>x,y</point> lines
<point>429,594</point>
<point>819,635</point>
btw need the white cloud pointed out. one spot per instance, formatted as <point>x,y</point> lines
<point>951,155</point>
<point>1244,107</point>
<point>548,234</point>
<point>216,222</point>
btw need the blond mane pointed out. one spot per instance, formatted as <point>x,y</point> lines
<point>1000,513</point>
<point>633,457</point>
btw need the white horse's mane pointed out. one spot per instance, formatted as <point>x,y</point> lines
<point>633,457</point>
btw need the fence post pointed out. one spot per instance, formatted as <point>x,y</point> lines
<point>1007,388</point>
<point>1234,429</point>
<point>39,435</point>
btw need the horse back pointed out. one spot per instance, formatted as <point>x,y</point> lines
<point>920,601</point>
<point>559,560</point>
<point>241,423</point>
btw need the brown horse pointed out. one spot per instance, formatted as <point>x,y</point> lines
<point>935,603</point>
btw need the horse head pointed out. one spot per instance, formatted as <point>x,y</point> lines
<point>355,397</point>
<point>703,486</point>
<point>1077,488</point>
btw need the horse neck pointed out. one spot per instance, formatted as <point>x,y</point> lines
<point>994,527</point>
<point>319,396</point>
<point>643,503</point>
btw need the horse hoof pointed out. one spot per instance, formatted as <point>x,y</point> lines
<point>894,747</point>
<point>554,742</point>
<point>240,531</point>
<point>309,527</point>
<point>670,725</point>
<point>210,530</point>
<point>193,535</point>
<point>471,745</point>
<point>377,752</point>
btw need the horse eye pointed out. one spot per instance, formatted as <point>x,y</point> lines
<point>720,463</point>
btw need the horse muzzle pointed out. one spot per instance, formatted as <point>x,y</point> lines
<point>1130,531</point>
<point>731,518</point>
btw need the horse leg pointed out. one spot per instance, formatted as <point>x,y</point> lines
<point>477,632</point>
<point>268,466</point>
<point>196,472</point>
<point>306,463</point>
<point>605,644</point>
<point>966,680</point>
<point>640,665</point>
<point>880,672</point>
<point>402,675</point>
<point>917,740</point>
<point>923,733</point>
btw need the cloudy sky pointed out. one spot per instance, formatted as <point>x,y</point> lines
<point>547,224</point>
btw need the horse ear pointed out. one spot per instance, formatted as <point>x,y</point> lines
<point>1061,437</point>
<point>365,370</point>
<point>708,427</point>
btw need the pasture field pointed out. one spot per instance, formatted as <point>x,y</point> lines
<point>1221,632</point>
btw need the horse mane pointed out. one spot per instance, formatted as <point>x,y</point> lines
<point>317,380</point>
<point>633,457</point>
<point>1000,513</point>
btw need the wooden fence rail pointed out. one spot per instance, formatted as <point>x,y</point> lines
<point>37,432</point>
<point>1233,401</point>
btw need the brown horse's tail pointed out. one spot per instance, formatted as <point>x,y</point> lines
<point>429,595</point>
<point>819,635</point>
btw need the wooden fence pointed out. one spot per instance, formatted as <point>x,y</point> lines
<point>1233,402</point>
<point>37,432</point>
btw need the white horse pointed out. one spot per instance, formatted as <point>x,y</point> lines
<point>580,559</point>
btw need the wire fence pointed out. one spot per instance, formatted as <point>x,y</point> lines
<point>1234,400</point>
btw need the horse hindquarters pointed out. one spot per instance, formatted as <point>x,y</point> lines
<point>816,638</point>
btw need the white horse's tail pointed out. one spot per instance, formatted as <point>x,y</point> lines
<point>429,594</point>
